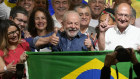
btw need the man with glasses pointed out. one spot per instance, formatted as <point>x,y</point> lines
<point>20,16</point>
<point>122,34</point>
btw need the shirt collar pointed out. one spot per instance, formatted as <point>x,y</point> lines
<point>124,32</point>
<point>86,32</point>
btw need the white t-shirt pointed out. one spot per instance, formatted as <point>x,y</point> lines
<point>129,38</point>
<point>56,22</point>
<point>93,23</point>
<point>4,11</point>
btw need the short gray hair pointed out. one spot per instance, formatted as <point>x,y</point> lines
<point>70,12</point>
<point>116,9</point>
<point>82,6</point>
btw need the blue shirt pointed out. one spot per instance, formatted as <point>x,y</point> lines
<point>65,44</point>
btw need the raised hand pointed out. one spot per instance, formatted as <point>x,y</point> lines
<point>103,26</point>
<point>54,40</point>
<point>88,42</point>
<point>109,5</point>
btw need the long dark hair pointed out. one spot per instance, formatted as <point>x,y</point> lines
<point>31,24</point>
<point>4,25</point>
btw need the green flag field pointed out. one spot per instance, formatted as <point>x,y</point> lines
<point>72,65</point>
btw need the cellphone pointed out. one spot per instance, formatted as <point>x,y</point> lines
<point>19,71</point>
<point>20,67</point>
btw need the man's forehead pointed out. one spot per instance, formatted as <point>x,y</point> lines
<point>21,15</point>
<point>60,0</point>
<point>85,9</point>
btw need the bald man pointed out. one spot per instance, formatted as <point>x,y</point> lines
<point>122,34</point>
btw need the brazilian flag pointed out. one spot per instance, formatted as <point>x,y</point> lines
<point>72,65</point>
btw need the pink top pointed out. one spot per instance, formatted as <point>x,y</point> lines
<point>14,55</point>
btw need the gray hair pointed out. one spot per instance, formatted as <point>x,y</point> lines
<point>116,9</point>
<point>133,13</point>
<point>70,12</point>
<point>82,6</point>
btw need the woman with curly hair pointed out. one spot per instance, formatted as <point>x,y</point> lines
<point>40,24</point>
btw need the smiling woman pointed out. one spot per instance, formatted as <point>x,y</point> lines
<point>40,24</point>
<point>12,48</point>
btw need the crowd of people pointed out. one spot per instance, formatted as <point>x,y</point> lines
<point>75,26</point>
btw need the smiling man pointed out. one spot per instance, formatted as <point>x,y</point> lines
<point>122,34</point>
<point>96,7</point>
<point>69,40</point>
<point>60,7</point>
<point>85,14</point>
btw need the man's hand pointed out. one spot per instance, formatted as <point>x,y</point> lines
<point>109,5</point>
<point>133,56</point>
<point>54,40</point>
<point>103,26</point>
<point>110,59</point>
<point>88,42</point>
<point>26,34</point>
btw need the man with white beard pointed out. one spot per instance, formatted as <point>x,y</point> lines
<point>71,39</point>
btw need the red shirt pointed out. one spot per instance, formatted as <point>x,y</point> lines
<point>14,55</point>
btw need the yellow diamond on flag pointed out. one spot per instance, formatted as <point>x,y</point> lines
<point>94,64</point>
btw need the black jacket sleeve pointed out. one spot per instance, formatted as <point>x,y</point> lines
<point>105,73</point>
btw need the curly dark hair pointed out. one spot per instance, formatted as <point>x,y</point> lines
<point>31,23</point>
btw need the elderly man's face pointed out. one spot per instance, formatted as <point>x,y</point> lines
<point>96,6</point>
<point>72,25</point>
<point>27,4</point>
<point>60,6</point>
<point>123,15</point>
<point>85,15</point>
<point>76,2</point>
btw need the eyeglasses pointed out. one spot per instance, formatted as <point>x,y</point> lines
<point>20,20</point>
<point>125,15</point>
<point>13,32</point>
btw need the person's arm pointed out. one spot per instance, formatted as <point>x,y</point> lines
<point>136,64</point>
<point>110,59</point>
<point>40,41</point>
<point>10,67</point>
<point>101,41</point>
<point>2,65</point>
